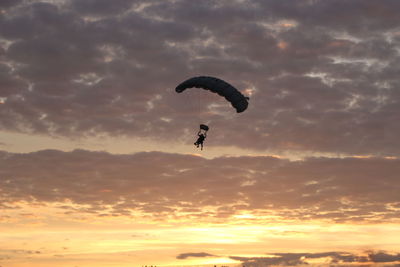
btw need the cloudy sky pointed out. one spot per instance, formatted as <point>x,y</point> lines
<point>97,163</point>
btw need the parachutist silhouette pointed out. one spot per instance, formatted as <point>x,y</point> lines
<point>202,134</point>
<point>200,140</point>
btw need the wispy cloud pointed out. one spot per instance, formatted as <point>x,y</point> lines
<point>161,185</point>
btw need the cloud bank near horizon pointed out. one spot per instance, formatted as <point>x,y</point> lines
<point>320,84</point>
<point>166,186</point>
<point>383,258</point>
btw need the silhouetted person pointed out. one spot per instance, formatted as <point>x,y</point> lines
<point>200,140</point>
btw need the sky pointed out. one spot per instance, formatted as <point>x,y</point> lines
<point>97,163</point>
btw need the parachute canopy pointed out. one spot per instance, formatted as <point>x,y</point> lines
<point>215,85</point>
<point>204,127</point>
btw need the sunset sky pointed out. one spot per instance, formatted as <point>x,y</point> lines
<point>97,162</point>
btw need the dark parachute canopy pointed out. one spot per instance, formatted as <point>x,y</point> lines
<point>215,85</point>
<point>204,127</point>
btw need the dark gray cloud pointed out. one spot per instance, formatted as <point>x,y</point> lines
<point>359,18</point>
<point>163,185</point>
<point>325,72</point>
<point>101,7</point>
<point>300,259</point>
<point>384,257</point>
<point>9,3</point>
<point>335,258</point>
<point>195,254</point>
